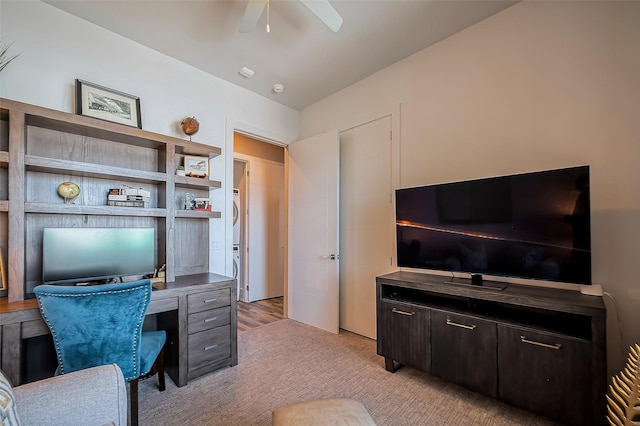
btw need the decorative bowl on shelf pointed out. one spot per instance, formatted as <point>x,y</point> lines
<point>69,191</point>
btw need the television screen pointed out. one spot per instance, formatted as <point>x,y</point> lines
<point>71,255</point>
<point>533,226</point>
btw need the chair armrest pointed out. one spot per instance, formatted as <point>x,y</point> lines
<point>95,396</point>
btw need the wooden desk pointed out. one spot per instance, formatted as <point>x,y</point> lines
<point>198,312</point>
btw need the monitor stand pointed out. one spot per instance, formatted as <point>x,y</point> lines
<point>96,282</point>
<point>477,281</point>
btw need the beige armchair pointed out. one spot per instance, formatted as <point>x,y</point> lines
<point>95,396</point>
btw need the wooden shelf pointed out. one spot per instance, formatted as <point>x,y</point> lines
<point>77,168</point>
<point>45,146</point>
<point>198,214</point>
<point>92,210</point>
<point>91,127</point>
<point>191,148</point>
<point>196,183</point>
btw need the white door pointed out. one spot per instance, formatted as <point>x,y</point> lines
<point>366,221</point>
<point>266,211</point>
<point>313,257</point>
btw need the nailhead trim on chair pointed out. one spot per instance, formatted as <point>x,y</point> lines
<point>55,337</point>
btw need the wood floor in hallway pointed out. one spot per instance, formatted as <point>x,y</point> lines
<point>254,314</point>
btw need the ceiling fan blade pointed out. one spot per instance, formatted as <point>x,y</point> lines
<point>327,14</point>
<point>252,14</point>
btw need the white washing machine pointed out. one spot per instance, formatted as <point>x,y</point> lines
<point>236,216</point>
<point>237,271</point>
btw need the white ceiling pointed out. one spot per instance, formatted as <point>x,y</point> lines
<point>300,52</point>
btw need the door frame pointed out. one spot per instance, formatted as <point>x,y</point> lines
<point>244,228</point>
<point>225,264</point>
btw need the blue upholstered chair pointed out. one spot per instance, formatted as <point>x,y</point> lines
<point>102,324</point>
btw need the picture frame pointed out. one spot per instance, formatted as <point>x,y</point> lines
<point>195,166</point>
<point>107,104</point>
<point>201,204</point>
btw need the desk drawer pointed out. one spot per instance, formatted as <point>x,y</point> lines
<point>162,305</point>
<point>208,300</point>
<point>209,346</point>
<point>209,319</point>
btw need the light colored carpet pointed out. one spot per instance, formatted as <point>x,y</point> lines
<point>287,362</point>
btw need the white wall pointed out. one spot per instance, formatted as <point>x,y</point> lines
<point>57,48</point>
<point>539,85</point>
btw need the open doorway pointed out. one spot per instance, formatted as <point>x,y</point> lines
<point>258,228</point>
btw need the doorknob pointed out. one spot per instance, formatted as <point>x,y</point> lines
<point>332,256</point>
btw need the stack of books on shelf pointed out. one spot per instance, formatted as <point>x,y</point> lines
<point>128,197</point>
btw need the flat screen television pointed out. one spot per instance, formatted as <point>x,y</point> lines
<point>531,225</point>
<point>94,255</point>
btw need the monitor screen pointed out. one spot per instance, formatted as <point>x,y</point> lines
<point>72,255</point>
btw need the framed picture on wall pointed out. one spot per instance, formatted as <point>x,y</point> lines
<point>107,104</point>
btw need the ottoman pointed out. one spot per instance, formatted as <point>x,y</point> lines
<point>335,411</point>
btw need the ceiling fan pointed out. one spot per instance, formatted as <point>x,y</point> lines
<point>321,8</point>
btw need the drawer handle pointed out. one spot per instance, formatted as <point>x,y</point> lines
<point>211,319</point>
<point>210,347</point>
<point>544,345</point>
<point>210,300</point>
<point>455,324</point>
<point>398,311</point>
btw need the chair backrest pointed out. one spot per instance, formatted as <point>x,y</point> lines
<point>96,325</point>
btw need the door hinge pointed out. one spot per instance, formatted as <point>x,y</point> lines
<point>248,171</point>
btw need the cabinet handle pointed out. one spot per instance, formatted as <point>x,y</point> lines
<point>544,345</point>
<point>398,311</point>
<point>211,319</point>
<point>455,324</point>
<point>209,300</point>
<point>210,347</point>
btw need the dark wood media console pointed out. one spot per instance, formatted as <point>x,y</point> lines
<point>541,349</point>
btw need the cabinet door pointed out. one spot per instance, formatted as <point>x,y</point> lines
<point>545,373</point>
<point>463,350</point>
<point>403,334</point>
